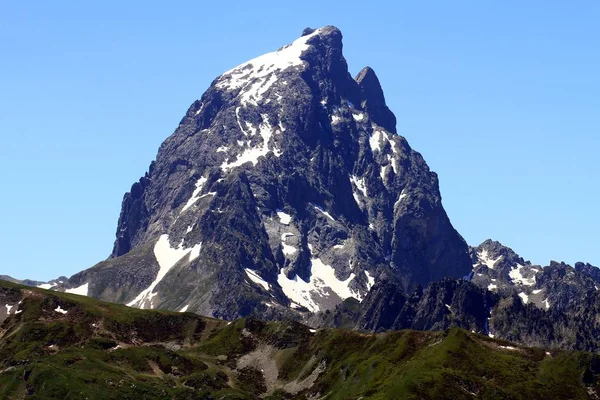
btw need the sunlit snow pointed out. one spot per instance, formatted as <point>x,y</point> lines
<point>167,257</point>
<point>253,154</point>
<point>370,280</point>
<point>359,183</point>
<point>402,196</point>
<point>392,162</point>
<point>81,290</point>
<point>484,258</point>
<point>358,116</point>
<point>284,218</point>
<point>382,172</point>
<point>199,185</point>
<point>524,297</point>
<point>256,76</point>
<point>60,310</point>
<point>322,280</point>
<point>254,277</point>
<point>325,213</point>
<point>47,285</point>
<point>286,248</point>
<point>517,277</point>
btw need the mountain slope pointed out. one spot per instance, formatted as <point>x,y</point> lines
<point>56,345</point>
<point>284,189</point>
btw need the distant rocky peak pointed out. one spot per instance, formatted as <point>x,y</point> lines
<point>495,255</point>
<point>498,268</point>
<point>588,270</point>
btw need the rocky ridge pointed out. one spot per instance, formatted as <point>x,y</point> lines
<point>554,307</point>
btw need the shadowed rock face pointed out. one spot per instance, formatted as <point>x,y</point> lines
<point>554,307</point>
<point>284,189</point>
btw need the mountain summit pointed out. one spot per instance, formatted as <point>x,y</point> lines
<point>284,190</point>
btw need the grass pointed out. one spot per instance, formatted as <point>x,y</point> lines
<point>101,351</point>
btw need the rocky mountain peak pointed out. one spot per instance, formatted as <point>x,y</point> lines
<point>494,255</point>
<point>283,191</point>
<point>499,268</point>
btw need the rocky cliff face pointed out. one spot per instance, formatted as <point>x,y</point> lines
<point>284,189</point>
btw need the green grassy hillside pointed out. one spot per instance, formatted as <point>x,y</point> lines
<point>62,346</point>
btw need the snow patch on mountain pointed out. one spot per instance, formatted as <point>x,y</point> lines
<point>382,172</point>
<point>255,77</point>
<point>517,276</point>
<point>199,185</point>
<point>284,218</point>
<point>359,183</point>
<point>375,141</point>
<point>546,304</point>
<point>484,258</point>
<point>358,116</point>
<point>402,196</point>
<point>524,297</point>
<point>370,280</point>
<point>325,213</point>
<point>46,285</point>
<point>254,277</point>
<point>167,257</point>
<point>392,162</point>
<point>286,248</point>
<point>195,252</point>
<point>322,281</point>
<point>254,153</point>
<point>60,310</point>
<point>80,290</point>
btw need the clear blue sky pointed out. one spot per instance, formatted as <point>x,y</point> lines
<point>501,98</point>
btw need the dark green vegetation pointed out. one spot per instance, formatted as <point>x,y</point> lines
<point>99,350</point>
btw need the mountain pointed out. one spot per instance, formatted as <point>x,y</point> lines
<point>57,345</point>
<point>284,190</point>
<point>285,193</point>
<point>553,307</point>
